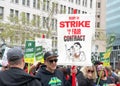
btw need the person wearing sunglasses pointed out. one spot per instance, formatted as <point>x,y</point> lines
<point>49,74</point>
<point>87,76</point>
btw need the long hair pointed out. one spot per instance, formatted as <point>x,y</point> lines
<point>84,70</point>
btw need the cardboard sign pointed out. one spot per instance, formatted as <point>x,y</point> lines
<point>74,38</point>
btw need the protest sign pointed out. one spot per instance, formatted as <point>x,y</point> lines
<point>4,58</point>
<point>45,43</point>
<point>105,56</point>
<point>39,54</point>
<point>29,51</point>
<point>74,38</point>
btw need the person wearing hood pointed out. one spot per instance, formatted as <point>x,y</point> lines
<point>49,74</point>
<point>15,75</point>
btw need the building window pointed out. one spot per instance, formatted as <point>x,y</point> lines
<point>68,10</point>
<point>34,3</point>
<point>28,2</point>
<point>56,8</point>
<point>23,2</point>
<point>28,18</point>
<point>34,20</point>
<point>98,16</point>
<point>11,12</point>
<point>1,12</point>
<point>97,35</point>
<point>12,1</point>
<point>43,22</point>
<point>98,4</point>
<point>64,9</point>
<point>76,1</point>
<point>38,21</point>
<point>71,0</point>
<point>85,12</point>
<point>91,3</point>
<point>61,8</point>
<point>48,5</point>
<point>16,1</point>
<point>53,7</point>
<point>16,13</point>
<point>52,24</point>
<point>38,4</point>
<point>47,22</point>
<point>78,11</point>
<point>44,4</point>
<point>85,3</point>
<point>56,24</point>
<point>79,2</point>
<point>82,12</point>
<point>71,10</point>
<point>98,24</point>
<point>115,47</point>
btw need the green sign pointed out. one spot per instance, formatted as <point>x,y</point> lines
<point>105,56</point>
<point>106,61</point>
<point>39,54</point>
<point>29,51</point>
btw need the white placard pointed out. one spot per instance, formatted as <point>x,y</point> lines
<point>45,43</point>
<point>74,38</point>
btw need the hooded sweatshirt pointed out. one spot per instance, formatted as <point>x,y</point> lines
<point>17,77</point>
<point>52,79</point>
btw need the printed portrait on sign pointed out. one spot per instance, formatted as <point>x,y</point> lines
<point>75,53</point>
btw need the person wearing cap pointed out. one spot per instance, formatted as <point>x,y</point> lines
<point>15,75</point>
<point>49,74</point>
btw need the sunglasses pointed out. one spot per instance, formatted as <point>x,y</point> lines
<point>90,71</point>
<point>54,60</point>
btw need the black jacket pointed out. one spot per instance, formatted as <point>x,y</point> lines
<point>52,79</point>
<point>82,81</point>
<point>17,77</point>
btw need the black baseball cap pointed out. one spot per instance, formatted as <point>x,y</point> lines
<point>49,54</point>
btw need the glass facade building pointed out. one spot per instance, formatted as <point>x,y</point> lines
<point>113,16</point>
<point>113,26</point>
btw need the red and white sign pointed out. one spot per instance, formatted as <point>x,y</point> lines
<point>74,38</point>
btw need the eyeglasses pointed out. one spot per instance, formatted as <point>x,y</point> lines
<point>90,71</point>
<point>54,60</point>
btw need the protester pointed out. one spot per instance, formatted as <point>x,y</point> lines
<point>49,74</point>
<point>4,68</point>
<point>87,76</point>
<point>111,74</point>
<point>34,67</point>
<point>102,79</point>
<point>97,63</point>
<point>15,75</point>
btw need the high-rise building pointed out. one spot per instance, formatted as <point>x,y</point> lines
<point>99,42</point>
<point>113,16</point>
<point>112,27</point>
<point>40,16</point>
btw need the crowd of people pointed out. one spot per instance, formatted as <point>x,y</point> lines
<point>51,74</point>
